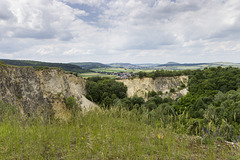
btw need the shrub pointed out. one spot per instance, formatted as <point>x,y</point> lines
<point>172,90</point>
<point>152,93</point>
<point>183,85</point>
<point>2,63</point>
<point>159,93</point>
<point>71,103</point>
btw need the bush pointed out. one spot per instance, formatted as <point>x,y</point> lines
<point>159,93</point>
<point>183,85</point>
<point>152,93</point>
<point>2,63</point>
<point>172,90</point>
<point>71,103</point>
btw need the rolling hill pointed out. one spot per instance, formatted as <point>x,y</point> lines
<point>34,64</point>
<point>90,65</point>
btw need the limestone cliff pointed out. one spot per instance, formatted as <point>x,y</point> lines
<point>141,87</point>
<point>36,91</point>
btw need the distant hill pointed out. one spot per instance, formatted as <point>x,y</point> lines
<point>173,63</point>
<point>90,65</point>
<point>179,66</point>
<point>34,64</point>
<point>124,65</point>
<point>184,64</point>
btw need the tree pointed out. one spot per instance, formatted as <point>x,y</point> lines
<point>141,74</point>
<point>98,89</point>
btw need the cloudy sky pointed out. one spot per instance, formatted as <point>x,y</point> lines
<point>135,31</point>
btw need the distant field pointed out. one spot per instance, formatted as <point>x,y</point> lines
<point>117,70</point>
<point>90,74</point>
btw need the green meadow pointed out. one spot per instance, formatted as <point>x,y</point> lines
<point>91,74</point>
<point>117,70</point>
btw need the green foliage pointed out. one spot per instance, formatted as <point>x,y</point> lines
<point>159,93</point>
<point>172,90</point>
<point>7,111</point>
<point>142,74</point>
<point>152,93</point>
<point>208,82</point>
<point>183,85</point>
<point>41,67</point>
<point>2,63</point>
<point>71,103</point>
<point>105,90</point>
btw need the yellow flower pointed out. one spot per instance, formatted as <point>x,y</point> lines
<point>82,138</point>
<point>160,136</point>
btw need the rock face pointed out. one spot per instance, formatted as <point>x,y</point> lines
<point>141,87</point>
<point>35,91</point>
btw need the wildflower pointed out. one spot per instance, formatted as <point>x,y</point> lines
<point>203,131</point>
<point>236,144</point>
<point>160,136</point>
<point>233,146</point>
<point>217,132</point>
<point>82,138</point>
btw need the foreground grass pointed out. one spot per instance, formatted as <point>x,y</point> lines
<point>102,134</point>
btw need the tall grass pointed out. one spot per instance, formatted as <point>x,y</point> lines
<point>100,134</point>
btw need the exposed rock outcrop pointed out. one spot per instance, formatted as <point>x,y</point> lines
<point>36,91</point>
<point>141,87</point>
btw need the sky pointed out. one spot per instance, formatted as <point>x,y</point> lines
<point>110,31</point>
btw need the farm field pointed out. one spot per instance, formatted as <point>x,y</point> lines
<point>117,70</point>
<point>91,74</point>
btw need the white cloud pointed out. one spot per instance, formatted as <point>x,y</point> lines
<point>86,2</point>
<point>120,30</point>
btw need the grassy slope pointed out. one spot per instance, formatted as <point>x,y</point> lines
<point>104,134</point>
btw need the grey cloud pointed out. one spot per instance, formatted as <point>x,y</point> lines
<point>5,13</point>
<point>65,36</point>
<point>29,33</point>
<point>176,8</point>
<point>232,33</point>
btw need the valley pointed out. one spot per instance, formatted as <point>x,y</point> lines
<point>195,112</point>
